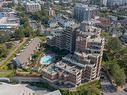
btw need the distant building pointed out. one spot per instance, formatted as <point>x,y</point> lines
<point>8,20</point>
<point>51,12</point>
<point>32,6</point>
<point>124,37</point>
<point>15,1</point>
<point>84,12</point>
<point>65,1</point>
<point>103,2</point>
<point>60,20</point>
<point>116,2</point>
<point>124,2</point>
<point>1,3</point>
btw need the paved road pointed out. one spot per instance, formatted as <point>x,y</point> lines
<point>12,52</point>
<point>118,92</point>
<point>108,88</point>
<point>27,79</point>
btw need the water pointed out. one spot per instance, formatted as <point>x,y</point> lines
<point>1,15</point>
<point>46,60</point>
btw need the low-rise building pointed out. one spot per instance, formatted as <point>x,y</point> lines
<point>8,20</point>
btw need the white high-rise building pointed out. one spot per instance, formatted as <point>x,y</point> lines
<point>103,2</point>
<point>116,2</point>
<point>124,2</point>
<point>32,7</point>
<point>83,12</point>
<point>15,1</point>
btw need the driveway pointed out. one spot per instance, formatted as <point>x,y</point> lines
<point>108,88</point>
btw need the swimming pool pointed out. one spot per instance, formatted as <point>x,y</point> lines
<point>47,59</point>
<point>1,15</point>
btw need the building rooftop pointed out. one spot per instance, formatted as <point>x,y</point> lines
<point>67,67</point>
<point>50,70</point>
<point>96,40</point>
<point>32,3</point>
<point>85,6</point>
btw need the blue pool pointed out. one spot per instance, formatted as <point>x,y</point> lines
<point>47,59</point>
<point>1,15</point>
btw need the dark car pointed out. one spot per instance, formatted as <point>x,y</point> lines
<point>125,89</point>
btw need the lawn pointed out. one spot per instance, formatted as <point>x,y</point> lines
<point>13,55</point>
<point>7,73</point>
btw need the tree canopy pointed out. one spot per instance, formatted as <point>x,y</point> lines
<point>40,15</point>
<point>118,74</point>
<point>114,44</point>
<point>3,51</point>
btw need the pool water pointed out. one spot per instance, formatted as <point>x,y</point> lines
<point>1,15</point>
<point>46,60</point>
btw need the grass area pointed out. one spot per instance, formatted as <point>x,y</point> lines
<point>9,73</point>
<point>43,38</point>
<point>12,56</point>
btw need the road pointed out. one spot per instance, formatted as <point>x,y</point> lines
<point>27,79</point>
<point>12,52</point>
<point>118,92</point>
<point>108,88</point>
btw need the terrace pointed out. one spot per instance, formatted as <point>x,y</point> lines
<point>68,68</point>
<point>50,70</point>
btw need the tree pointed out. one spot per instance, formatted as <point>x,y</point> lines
<point>3,51</point>
<point>19,34</point>
<point>40,16</point>
<point>118,74</point>
<point>4,36</point>
<point>114,44</point>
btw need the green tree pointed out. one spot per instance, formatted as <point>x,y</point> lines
<point>3,51</point>
<point>118,74</point>
<point>19,34</point>
<point>40,15</point>
<point>4,36</point>
<point>114,44</point>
